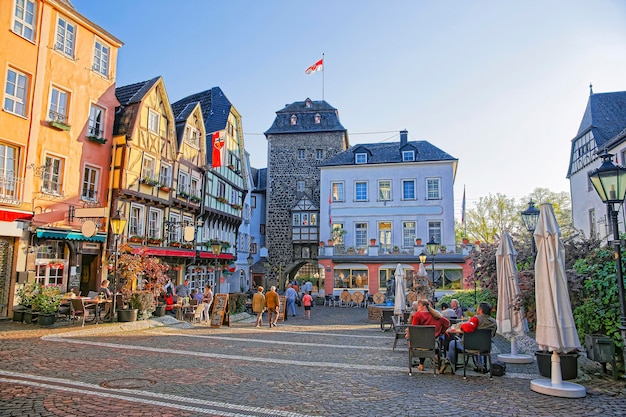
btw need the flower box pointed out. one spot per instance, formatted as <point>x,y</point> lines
<point>165,188</point>
<point>96,139</point>
<point>183,194</point>
<point>135,239</point>
<point>150,181</point>
<point>60,125</point>
<point>175,244</point>
<point>154,241</point>
<point>196,199</point>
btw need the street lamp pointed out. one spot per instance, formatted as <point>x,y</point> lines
<point>216,249</point>
<point>118,223</point>
<point>530,216</point>
<point>609,181</point>
<point>250,260</point>
<point>432,247</point>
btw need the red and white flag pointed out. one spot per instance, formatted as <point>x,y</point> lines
<point>218,144</point>
<point>318,66</point>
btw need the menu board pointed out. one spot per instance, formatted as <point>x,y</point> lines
<point>220,310</point>
<point>282,302</point>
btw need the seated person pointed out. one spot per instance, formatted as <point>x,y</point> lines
<point>428,316</point>
<point>482,320</point>
<point>104,289</point>
<point>456,306</point>
<point>169,303</point>
<point>447,312</point>
<point>195,295</point>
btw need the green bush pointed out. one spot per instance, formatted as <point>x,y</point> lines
<point>237,303</point>
<point>144,302</point>
<point>466,299</point>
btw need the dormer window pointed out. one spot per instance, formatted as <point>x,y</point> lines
<point>360,158</point>
<point>318,118</point>
<point>294,119</point>
<point>308,103</point>
<point>408,155</point>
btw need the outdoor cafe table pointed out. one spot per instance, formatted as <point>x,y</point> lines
<point>98,303</point>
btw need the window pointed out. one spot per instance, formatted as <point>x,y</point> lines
<point>293,119</point>
<point>408,234</point>
<point>253,248</point>
<point>408,189</point>
<point>313,218</point>
<point>154,223</point>
<point>384,237</point>
<point>337,191</point>
<point>384,190</point>
<point>433,189</point>
<point>65,37</point>
<point>174,231</point>
<point>434,231</point>
<point>319,154</point>
<point>300,185</point>
<point>360,235</point>
<point>58,105</point>
<point>95,126</point>
<point>221,189</point>
<point>147,167</point>
<point>351,278</point>
<point>101,55</point>
<point>153,121</point>
<point>408,155</point>
<point>165,175</point>
<point>24,19</point>
<point>183,182</point>
<point>136,221</point>
<point>50,273</point>
<point>296,219</point>
<point>318,119</point>
<point>360,158</point>
<point>360,191</point>
<point>15,92</point>
<point>90,184</point>
<point>8,171</point>
<point>192,136</point>
<point>52,175</point>
<point>301,154</point>
<point>195,187</point>
<point>253,201</point>
<point>592,224</point>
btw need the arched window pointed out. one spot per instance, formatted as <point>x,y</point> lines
<point>294,119</point>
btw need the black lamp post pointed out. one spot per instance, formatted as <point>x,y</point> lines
<point>216,249</point>
<point>118,223</point>
<point>250,260</point>
<point>432,247</point>
<point>609,180</point>
<point>530,217</point>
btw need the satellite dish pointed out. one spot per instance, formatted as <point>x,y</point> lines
<point>89,229</point>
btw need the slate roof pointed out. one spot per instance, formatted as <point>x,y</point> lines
<point>386,153</point>
<point>128,96</point>
<point>215,108</point>
<point>181,114</point>
<point>306,118</point>
<point>260,179</point>
<point>605,117</point>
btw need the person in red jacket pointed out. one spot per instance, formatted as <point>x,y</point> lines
<point>428,316</point>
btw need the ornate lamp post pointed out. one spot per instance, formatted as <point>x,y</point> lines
<point>530,216</point>
<point>118,223</point>
<point>216,249</point>
<point>609,180</point>
<point>432,247</point>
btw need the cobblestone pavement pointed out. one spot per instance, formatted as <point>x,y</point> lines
<point>336,364</point>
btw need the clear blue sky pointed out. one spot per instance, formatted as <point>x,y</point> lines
<point>500,85</point>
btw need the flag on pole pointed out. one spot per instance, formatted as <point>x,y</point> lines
<point>318,66</point>
<point>218,144</point>
<point>330,217</point>
<point>463,207</point>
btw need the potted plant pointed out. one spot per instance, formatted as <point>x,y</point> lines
<point>165,188</point>
<point>154,241</point>
<point>396,249</point>
<point>150,181</point>
<point>143,302</point>
<point>26,293</point>
<point>184,194</point>
<point>569,364</point>
<point>135,239</point>
<point>418,241</point>
<point>47,302</point>
<point>372,242</point>
<point>465,241</point>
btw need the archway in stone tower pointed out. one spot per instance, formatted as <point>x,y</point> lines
<point>307,271</point>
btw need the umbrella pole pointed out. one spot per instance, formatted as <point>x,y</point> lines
<point>513,346</point>
<point>557,376</point>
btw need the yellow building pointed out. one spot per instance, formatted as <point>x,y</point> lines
<point>58,73</point>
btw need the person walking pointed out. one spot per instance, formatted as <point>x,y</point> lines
<point>307,302</point>
<point>207,299</point>
<point>291,295</point>
<point>272,304</point>
<point>258,306</point>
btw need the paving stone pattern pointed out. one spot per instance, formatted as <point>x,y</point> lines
<point>336,364</point>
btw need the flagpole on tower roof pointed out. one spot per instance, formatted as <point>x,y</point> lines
<point>323,76</point>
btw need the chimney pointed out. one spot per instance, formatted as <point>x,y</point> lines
<point>403,137</point>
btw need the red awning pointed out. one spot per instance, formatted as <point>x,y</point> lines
<point>179,253</point>
<point>12,215</point>
<point>209,255</point>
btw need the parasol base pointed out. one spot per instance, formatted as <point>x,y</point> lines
<point>564,389</point>
<point>511,358</point>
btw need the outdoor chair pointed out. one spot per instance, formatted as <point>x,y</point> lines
<point>422,344</point>
<point>477,343</point>
<point>194,313</point>
<point>336,300</point>
<point>79,310</point>
<point>328,300</point>
<point>65,310</point>
<point>399,328</point>
<point>193,302</point>
<point>386,320</point>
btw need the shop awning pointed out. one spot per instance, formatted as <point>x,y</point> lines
<point>12,215</point>
<point>209,255</point>
<point>177,253</point>
<point>60,235</point>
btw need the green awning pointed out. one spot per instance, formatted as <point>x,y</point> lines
<point>50,234</point>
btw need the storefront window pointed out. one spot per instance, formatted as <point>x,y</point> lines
<point>351,278</point>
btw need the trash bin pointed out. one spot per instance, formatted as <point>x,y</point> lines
<point>600,348</point>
